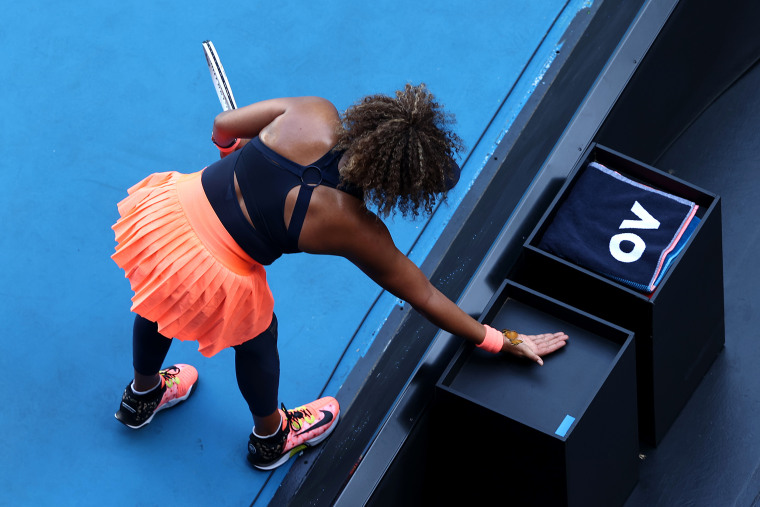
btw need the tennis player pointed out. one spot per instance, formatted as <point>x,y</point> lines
<point>294,176</point>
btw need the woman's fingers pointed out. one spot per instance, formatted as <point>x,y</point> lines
<point>534,346</point>
<point>529,352</point>
<point>549,342</point>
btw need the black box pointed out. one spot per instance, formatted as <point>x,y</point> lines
<point>679,328</point>
<point>564,433</point>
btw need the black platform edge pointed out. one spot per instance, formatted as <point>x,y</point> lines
<point>390,388</point>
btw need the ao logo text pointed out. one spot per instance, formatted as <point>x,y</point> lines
<point>645,221</point>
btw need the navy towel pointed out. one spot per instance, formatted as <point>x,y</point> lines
<point>619,228</point>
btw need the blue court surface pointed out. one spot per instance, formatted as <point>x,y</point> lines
<point>98,95</point>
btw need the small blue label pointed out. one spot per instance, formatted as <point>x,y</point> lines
<point>566,423</point>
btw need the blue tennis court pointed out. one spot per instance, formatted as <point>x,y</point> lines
<point>98,95</point>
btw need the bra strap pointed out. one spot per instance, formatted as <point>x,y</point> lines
<point>299,214</point>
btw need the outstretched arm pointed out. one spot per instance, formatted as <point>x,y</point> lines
<point>408,282</point>
<point>367,243</point>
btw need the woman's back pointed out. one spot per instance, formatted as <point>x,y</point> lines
<point>305,134</point>
<point>282,179</point>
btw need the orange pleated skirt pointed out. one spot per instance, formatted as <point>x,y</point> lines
<point>186,271</point>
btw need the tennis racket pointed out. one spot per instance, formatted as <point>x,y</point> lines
<point>218,76</point>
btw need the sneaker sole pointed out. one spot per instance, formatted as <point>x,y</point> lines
<point>169,404</point>
<point>299,448</point>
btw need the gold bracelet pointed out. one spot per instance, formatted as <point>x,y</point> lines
<point>511,336</point>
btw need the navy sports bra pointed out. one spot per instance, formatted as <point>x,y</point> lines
<point>265,178</point>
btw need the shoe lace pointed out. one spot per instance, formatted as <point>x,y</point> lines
<point>297,415</point>
<point>170,375</point>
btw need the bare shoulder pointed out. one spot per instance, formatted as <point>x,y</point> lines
<point>319,114</point>
<point>305,131</point>
<point>312,110</point>
<point>316,103</point>
<point>338,223</point>
<point>341,225</point>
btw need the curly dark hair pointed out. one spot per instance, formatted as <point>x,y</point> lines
<point>399,150</point>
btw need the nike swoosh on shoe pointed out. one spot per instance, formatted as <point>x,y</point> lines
<point>327,419</point>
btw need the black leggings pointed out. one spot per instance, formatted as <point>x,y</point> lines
<point>257,362</point>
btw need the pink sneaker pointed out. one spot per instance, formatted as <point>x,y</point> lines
<point>177,384</point>
<point>302,427</point>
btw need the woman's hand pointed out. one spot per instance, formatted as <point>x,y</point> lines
<point>534,346</point>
